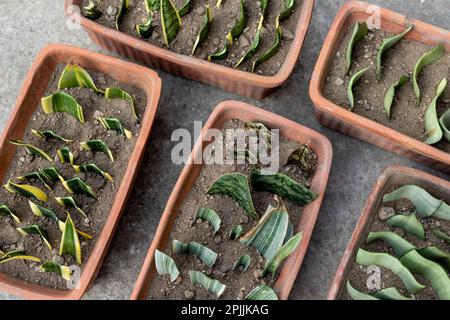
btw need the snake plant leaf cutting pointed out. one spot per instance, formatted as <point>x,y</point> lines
<point>437,255</point>
<point>300,158</point>
<point>387,261</point>
<point>253,46</point>
<point>353,81</point>
<point>409,224</point>
<point>170,21</point>
<point>389,98</point>
<point>209,215</point>
<point>426,205</point>
<point>37,175</point>
<point>288,10</point>
<point>358,295</point>
<point>289,232</point>
<point>90,11</point>
<point>445,124</point>
<point>432,126</point>
<point>17,255</point>
<point>235,232</point>
<point>63,271</point>
<point>262,292</point>
<point>386,45</point>
<point>91,167</point>
<point>430,270</point>
<point>32,150</point>
<point>239,26</point>
<point>123,6</point>
<point>97,145</point>
<point>264,4</point>
<point>69,202</point>
<point>391,293</point>
<point>220,54</point>
<point>65,155</point>
<point>204,29</point>
<point>35,229</point>
<point>400,245</point>
<point>269,53</point>
<point>185,8</point>
<point>261,130</point>
<point>74,76</point>
<point>70,243</point>
<point>283,186</point>
<point>245,156</point>
<point>62,102</point>
<point>116,125</point>
<point>205,254</point>
<point>50,173</point>
<point>235,186</point>
<point>212,286</point>
<point>117,93</point>
<point>441,235</point>
<point>428,58</point>
<point>78,186</point>
<point>154,5</point>
<point>360,31</point>
<point>145,30</point>
<point>218,3</point>
<point>5,211</point>
<point>242,263</point>
<point>26,191</point>
<point>166,265</point>
<point>48,134</point>
<point>285,251</point>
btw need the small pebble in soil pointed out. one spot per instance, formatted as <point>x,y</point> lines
<point>189,295</point>
<point>243,42</point>
<point>111,11</point>
<point>257,274</point>
<point>200,10</point>
<point>339,82</point>
<point>224,269</point>
<point>58,259</point>
<point>179,280</point>
<point>217,239</point>
<point>437,223</point>
<point>243,220</point>
<point>385,213</point>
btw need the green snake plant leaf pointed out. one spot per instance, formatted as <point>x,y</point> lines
<point>400,245</point>
<point>26,191</point>
<point>154,5</point>
<point>289,232</point>
<point>97,145</point>
<point>35,229</point>
<point>91,167</point>
<point>253,46</point>
<point>268,235</point>
<point>391,294</point>
<point>78,186</point>
<point>264,4</point>
<point>204,29</point>
<point>51,174</point>
<point>123,6</point>
<point>430,270</point>
<point>285,251</point>
<point>36,175</point>
<point>437,255</point>
<point>300,158</point>
<point>69,202</point>
<point>262,292</point>
<point>212,286</point>
<point>70,243</point>
<point>445,124</point>
<point>75,76</point>
<point>428,58</point>
<point>351,84</point>
<point>386,45</point>
<point>220,54</point>
<point>358,295</point>
<point>441,235</point>
<point>205,254</point>
<point>409,224</point>
<point>283,186</point>
<point>360,31</point>
<point>209,215</point>
<point>242,263</point>
<point>117,93</point>
<point>116,125</point>
<point>432,126</point>
<point>387,261</point>
<point>261,130</point>
<point>65,155</point>
<point>287,11</point>
<point>426,205</point>
<point>235,186</point>
<point>235,232</point>
<point>269,53</point>
<point>166,265</point>
<point>170,21</point>
<point>48,134</point>
<point>145,30</point>
<point>239,25</point>
<point>32,150</point>
<point>17,255</point>
<point>185,8</point>
<point>90,11</point>
<point>62,102</point>
<point>390,94</point>
<point>63,271</point>
<point>5,211</point>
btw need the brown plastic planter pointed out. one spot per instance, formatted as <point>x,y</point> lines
<point>29,98</point>
<point>335,117</point>
<point>229,79</point>
<point>391,177</point>
<point>237,110</point>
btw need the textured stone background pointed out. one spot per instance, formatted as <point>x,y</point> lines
<point>28,26</point>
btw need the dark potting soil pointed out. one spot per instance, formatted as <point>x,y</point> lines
<point>97,210</point>
<point>186,229</point>
<point>369,93</point>
<point>359,274</point>
<point>223,21</point>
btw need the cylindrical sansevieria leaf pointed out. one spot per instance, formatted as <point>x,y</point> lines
<point>204,29</point>
<point>282,254</point>
<point>65,155</point>
<point>90,11</point>
<point>26,191</point>
<point>243,262</point>
<point>433,128</point>
<point>63,102</point>
<point>69,202</point>
<point>205,254</point>
<point>209,215</point>
<point>358,295</point>
<point>400,245</point>
<point>170,21</point>
<point>239,26</point>
<point>409,224</point>
<point>437,255</point>
<point>97,145</point>
<point>360,30</point>
<point>262,292</point>
<point>70,243</point>
<point>49,134</point>
<point>235,232</point>
<point>5,211</point>
<point>91,167</point>
<point>166,265</point>
<point>116,125</point>
<point>78,186</point>
<point>75,76</point>
<point>117,93</point>
<point>444,121</point>
<point>212,286</point>
<point>35,229</point>
<point>123,6</point>
<point>63,271</point>
<point>17,255</point>
<point>32,150</point>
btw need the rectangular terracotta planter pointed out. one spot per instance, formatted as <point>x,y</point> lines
<point>335,117</point>
<point>229,79</point>
<point>237,110</point>
<point>29,99</point>
<point>391,177</point>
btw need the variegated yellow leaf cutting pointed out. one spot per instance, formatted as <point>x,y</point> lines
<point>32,150</point>
<point>5,211</point>
<point>26,190</point>
<point>63,271</point>
<point>35,229</point>
<point>62,102</point>
<point>70,243</point>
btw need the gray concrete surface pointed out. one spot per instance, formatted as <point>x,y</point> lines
<point>28,26</point>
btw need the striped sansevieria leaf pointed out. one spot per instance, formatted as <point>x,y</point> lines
<point>170,21</point>
<point>63,271</point>
<point>26,191</point>
<point>35,229</point>
<point>212,286</point>
<point>36,175</point>
<point>145,29</point>
<point>285,251</point>
<point>78,186</point>
<point>62,102</point>
<point>288,10</point>
<point>116,125</point>
<point>262,292</point>
<point>70,202</point>
<point>239,26</point>
<point>70,243</point>
<point>5,211</point>
<point>117,93</point>
<point>75,76</point>
<point>185,8</point>
<point>204,29</point>
<point>91,167</point>
<point>166,265</point>
<point>253,46</point>
<point>32,150</point>
<point>65,155</point>
<point>209,215</point>
<point>17,255</point>
<point>97,145</point>
<point>49,134</point>
<point>123,6</point>
<point>205,254</point>
<point>272,50</point>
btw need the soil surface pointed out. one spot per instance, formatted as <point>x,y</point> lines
<point>186,229</point>
<point>97,210</point>
<point>224,19</point>
<point>369,93</point>
<point>359,274</point>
